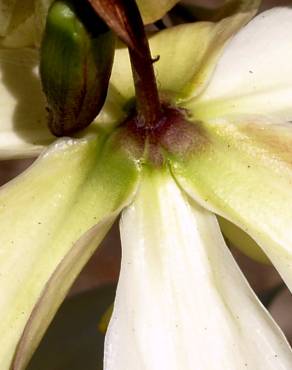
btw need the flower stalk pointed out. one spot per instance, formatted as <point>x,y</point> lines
<point>125,19</point>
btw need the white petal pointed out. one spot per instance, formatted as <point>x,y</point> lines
<point>254,74</point>
<point>182,303</point>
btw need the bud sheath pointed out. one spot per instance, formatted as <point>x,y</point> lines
<point>76,61</point>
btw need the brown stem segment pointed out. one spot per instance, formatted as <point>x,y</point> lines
<point>124,18</point>
<point>148,104</point>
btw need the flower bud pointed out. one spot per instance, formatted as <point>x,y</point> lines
<point>76,60</point>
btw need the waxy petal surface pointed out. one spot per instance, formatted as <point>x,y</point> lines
<point>254,74</point>
<point>52,218</point>
<point>244,173</point>
<point>182,302</point>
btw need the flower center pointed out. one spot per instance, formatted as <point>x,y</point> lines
<point>172,134</point>
<point>169,118</point>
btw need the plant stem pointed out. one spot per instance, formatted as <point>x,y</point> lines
<point>147,99</point>
<point>124,18</point>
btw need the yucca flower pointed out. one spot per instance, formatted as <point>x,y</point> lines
<point>181,302</point>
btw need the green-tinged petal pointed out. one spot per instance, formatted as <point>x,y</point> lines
<point>52,219</point>
<point>254,74</point>
<point>23,130</point>
<point>182,303</point>
<point>244,173</point>
<point>55,291</point>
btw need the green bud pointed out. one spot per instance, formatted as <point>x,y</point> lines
<point>76,61</point>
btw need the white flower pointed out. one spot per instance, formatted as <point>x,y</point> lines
<point>182,302</point>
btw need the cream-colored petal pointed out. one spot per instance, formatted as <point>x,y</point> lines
<point>254,74</point>
<point>182,303</point>
<point>23,130</point>
<point>44,241</point>
<point>189,53</point>
<point>244,173</point>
